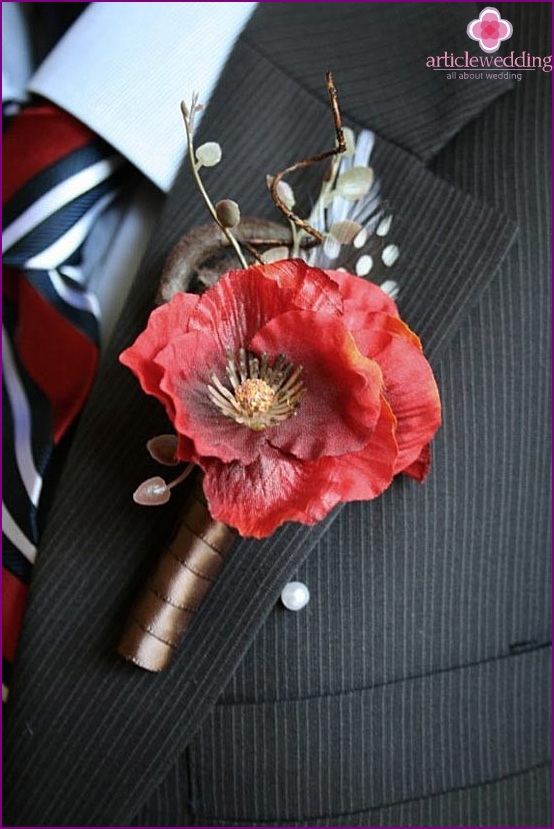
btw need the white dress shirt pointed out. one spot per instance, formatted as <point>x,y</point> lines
<point>122,69</point>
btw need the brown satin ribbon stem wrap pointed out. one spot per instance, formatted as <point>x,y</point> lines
<point>182,578</point>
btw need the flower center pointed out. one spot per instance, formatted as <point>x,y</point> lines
<point>261,394</point>
<point>254,396</point>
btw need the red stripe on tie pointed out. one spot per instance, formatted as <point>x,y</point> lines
<point>10,278</point>
<point>60,359</point>
<point>14,598</point>
<point>35,139</point>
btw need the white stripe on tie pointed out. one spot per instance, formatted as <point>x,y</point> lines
<point>67,244</point>
<point>16,535</point>
<point>21,413</point>
<point>73,272</point>
<point>58,197</point>
<point>81,300</point>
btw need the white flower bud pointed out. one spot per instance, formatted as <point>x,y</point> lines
<point>355,183</point>
<point>209,154</point>
<point>228,212</point>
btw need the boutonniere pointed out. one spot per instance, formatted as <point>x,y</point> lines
<point>292,385</point>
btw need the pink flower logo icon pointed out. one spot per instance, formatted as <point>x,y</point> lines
<point>489,29</point>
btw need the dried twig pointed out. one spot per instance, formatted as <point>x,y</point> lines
<point>308,162</point>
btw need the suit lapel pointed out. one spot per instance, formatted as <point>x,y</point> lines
<point>88,734</point>
<point>378,54</point>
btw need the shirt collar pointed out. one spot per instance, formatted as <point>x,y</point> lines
<point>123,68</point>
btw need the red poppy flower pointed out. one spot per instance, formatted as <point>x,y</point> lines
<point>292,388</point>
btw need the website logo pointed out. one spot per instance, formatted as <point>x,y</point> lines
<point>489,29</point>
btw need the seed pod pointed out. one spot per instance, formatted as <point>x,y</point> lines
<point>228,212</point>
<point>152,493</point>
<point>163,448</point>
<point>355,183</point>
<point>345,232</point>
<point>286,194</point>
<point>209,154</point>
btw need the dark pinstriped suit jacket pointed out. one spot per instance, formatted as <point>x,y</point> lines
<point>413,688</point>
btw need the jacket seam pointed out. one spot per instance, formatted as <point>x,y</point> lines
<point>388,683</point>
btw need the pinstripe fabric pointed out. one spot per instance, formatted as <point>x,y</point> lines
<point>519,799</point>
<point>417,110</point>
<point>171,798</point>
<point>515,800</point>
<point>428,735</point>
<point>416,675</point>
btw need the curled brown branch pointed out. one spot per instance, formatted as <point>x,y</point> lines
<point>308,162</point>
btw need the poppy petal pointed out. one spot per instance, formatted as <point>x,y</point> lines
<point>314,289</point>
<point>163,324</point>
<point>383,322</point>
<point>341,404</point>
<point>363,475</point>
<point>187,365</point>
<point>419,469</point>
<point>237,306</point>
<point>258,498</point>
<point>410,385</point>
<point>360,298</point>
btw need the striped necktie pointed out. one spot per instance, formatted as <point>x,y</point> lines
<point>57,178</point>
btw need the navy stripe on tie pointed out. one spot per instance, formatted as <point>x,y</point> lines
<point>6,672</point>
<point>14,561</point>
<point>39,404</point>
<point>59,223</point>
<point>51,176</point>
<point>23,513</point>
<point>17,499</point>
<point>85,321</point>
